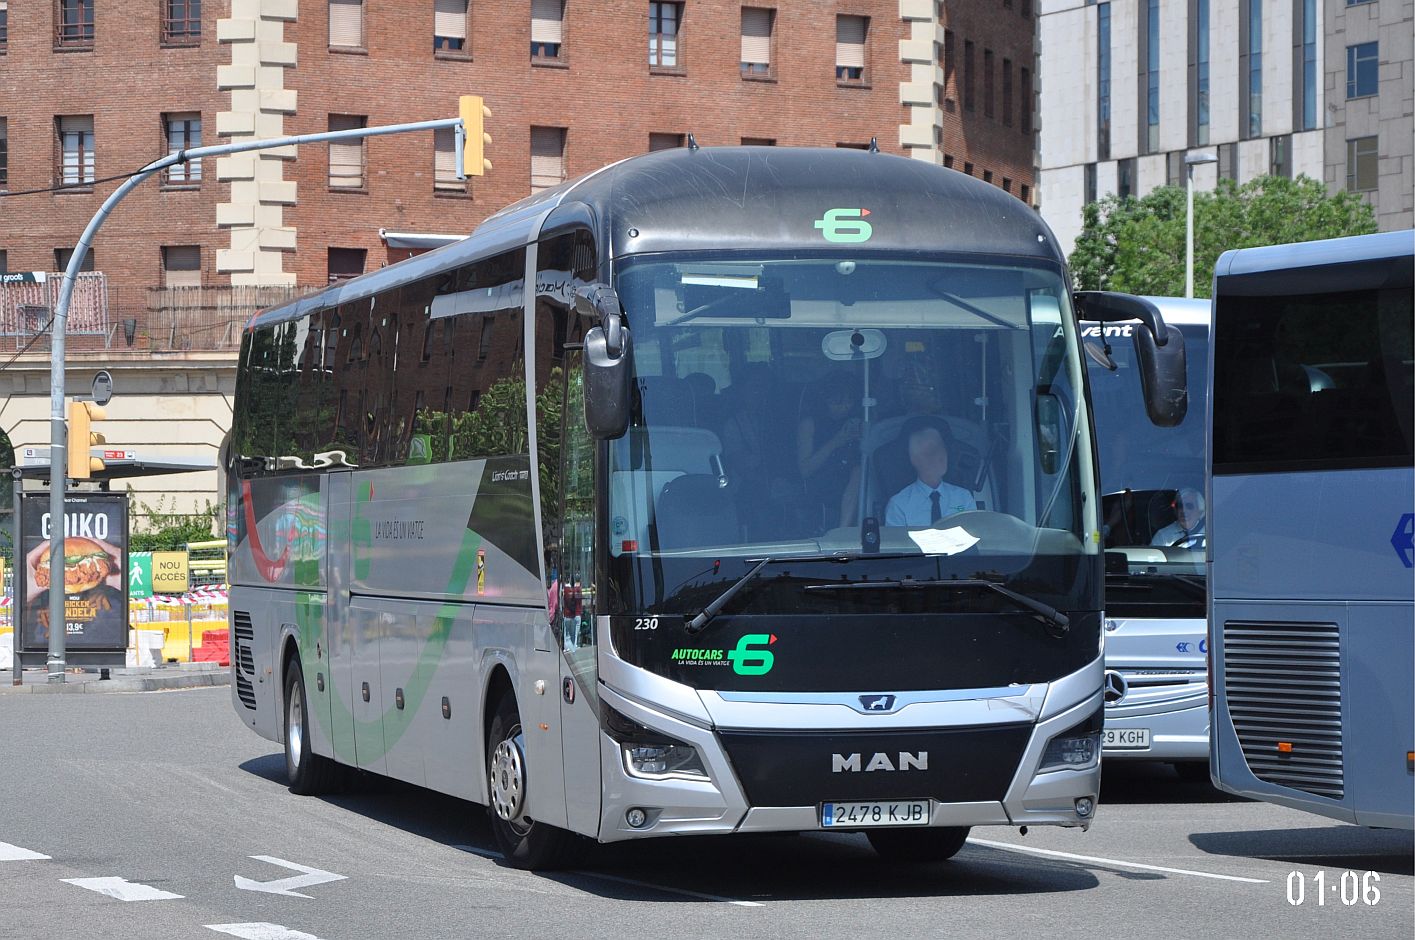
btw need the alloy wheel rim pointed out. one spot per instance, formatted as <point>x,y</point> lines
<point>295,727</point>
<point>508,779</point>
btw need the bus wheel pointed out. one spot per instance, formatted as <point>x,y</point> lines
<point>308,772</point>
<point>525,842</point>
<point>918,845</point>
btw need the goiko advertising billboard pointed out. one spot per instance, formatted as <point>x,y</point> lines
<point>95,593</point>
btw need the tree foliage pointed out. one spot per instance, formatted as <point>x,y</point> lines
<point>1137,245</point>
<point>160,529</point>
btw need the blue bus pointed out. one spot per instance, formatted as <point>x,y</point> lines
<point>1311,493</point>
<point>1152,507</point>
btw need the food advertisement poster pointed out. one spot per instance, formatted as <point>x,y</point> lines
<point>93,579</point>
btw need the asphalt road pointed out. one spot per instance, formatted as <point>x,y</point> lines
<point>167,796</point>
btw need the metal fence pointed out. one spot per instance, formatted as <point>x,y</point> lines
<point>156,319</point>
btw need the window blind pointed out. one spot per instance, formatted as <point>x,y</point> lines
<point>850,41</point>
<point>346,157</point>
<point>449,18</point>
<point>756,36</point>
<point>346,23</point>
<point>546,20</point>
<point>547,157</point>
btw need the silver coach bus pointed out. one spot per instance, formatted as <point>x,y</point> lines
<point>730,490</point>
<point>1153,531</point>
<point>1312,619</point>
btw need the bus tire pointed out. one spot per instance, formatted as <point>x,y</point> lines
<point>524,842</point>
<point>307,772</point>
<point>916,846</point>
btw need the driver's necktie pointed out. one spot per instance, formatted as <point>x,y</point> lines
<point>935,510</point>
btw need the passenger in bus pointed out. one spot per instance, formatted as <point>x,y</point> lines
<point>1187,530</point>
<point>828,453</point>
<point>930,497</point>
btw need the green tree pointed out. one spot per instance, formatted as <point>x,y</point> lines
<point>1137,245</point>
<point>160,529</point>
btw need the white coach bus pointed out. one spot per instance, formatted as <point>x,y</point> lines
<point>729,490</point>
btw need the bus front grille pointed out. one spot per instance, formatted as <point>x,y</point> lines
<point>1282,683</point>
<point>244,659</point>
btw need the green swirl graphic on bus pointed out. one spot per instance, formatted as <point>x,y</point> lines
<point>746,659</point>
<point>845,226</point>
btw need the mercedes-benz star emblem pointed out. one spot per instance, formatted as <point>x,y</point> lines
<point>1115,687</point>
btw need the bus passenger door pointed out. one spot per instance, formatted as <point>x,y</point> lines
<point>575,618</point>
<point>343,695</point>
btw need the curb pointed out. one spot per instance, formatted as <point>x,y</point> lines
<point>124,684</point>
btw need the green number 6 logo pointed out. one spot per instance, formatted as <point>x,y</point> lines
<point>747,661</point>
<point>845,225</point>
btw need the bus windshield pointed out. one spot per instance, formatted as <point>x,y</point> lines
<point>797,406</point>
<point>1152,482</point>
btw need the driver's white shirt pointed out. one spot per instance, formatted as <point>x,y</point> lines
<point>911,505</point>
<point>1176,533</point>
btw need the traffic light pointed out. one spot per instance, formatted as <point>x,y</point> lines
<point>82,414</point>
<point>475,137</point>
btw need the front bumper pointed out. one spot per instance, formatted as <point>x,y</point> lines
<point>1176,734</point>
<point>1021,796</point>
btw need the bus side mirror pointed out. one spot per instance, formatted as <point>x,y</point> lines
<point>1159,351</point>
<point>1163,376</point>
<point>608,363</point>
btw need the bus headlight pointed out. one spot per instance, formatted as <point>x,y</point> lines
<point>650,754</point>
<point>1077,748</point>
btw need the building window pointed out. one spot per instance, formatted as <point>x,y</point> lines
<point>967,168</point>
<point>1150,49</point>
<point>1250,68</point>
<point>664,141</point>
<point>1026,110</point>
<point>1006,184</point>
<point>547,157</point>
<point>1228,161</point>
<point>62,256</point>
<point>76,160</point>
<point>346,24</point>
<point>4,24</point>
<point>1125,178</point>
<point>948,161</point>
<point>1199,43</point>
<point>1280,156</point>
<point>1362,164</point>
<point>758,141</point>
<point>346,157</point>
<point>987,83</point>
<point>1088,185</point>
<point>4,153</point>
<point>449,26</point>
<point>1006,92</point>
<point>1174,168</point>
<point>1361,70</point>
<point>987,176</point>
<point>183,132</point>
<point>949,92</point>
<point>345,263</point>
<point>664,20</point>
<point>73,23</point>
<point>968,75</point>
<point>1307,100</point>
<point>1103,81</point>
<point>181,22</point>
<point>756,40</point>
<point>850,35</point>
<point>1027,190</point>
<point>547,28</point>
<point>181,266</point>
<point>4,263</point>
<point>444,162</point>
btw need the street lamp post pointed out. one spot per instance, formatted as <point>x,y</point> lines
<point>1191,160</point>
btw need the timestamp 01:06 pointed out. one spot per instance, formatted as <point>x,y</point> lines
<point>1348,888</point>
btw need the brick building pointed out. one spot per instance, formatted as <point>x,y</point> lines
<point>90,89</point>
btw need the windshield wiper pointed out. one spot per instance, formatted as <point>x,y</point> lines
<point>697,624</point>
<point>1044,612</point>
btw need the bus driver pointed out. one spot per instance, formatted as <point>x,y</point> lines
<point>930,497</point>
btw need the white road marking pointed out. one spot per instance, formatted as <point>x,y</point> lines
<point>488,853</point>
<point>261,932</point>
<point>285,886</point>
<point>13,853</point>
<point>1067,856</point>
<point>122,889</point>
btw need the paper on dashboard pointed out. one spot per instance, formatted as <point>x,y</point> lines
<point>943,541</point>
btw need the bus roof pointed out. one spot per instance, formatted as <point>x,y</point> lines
<point>1329,251</point>
<point>765,199</point>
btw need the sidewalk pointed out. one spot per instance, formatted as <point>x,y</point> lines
<point>122,679</point>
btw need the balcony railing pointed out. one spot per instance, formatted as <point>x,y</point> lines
<point>151,319</point>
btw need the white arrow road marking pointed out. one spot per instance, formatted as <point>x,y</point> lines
<point>261,932</point>
<point>122,889</point>
<point>13,853</point>
<point>285,886</point>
